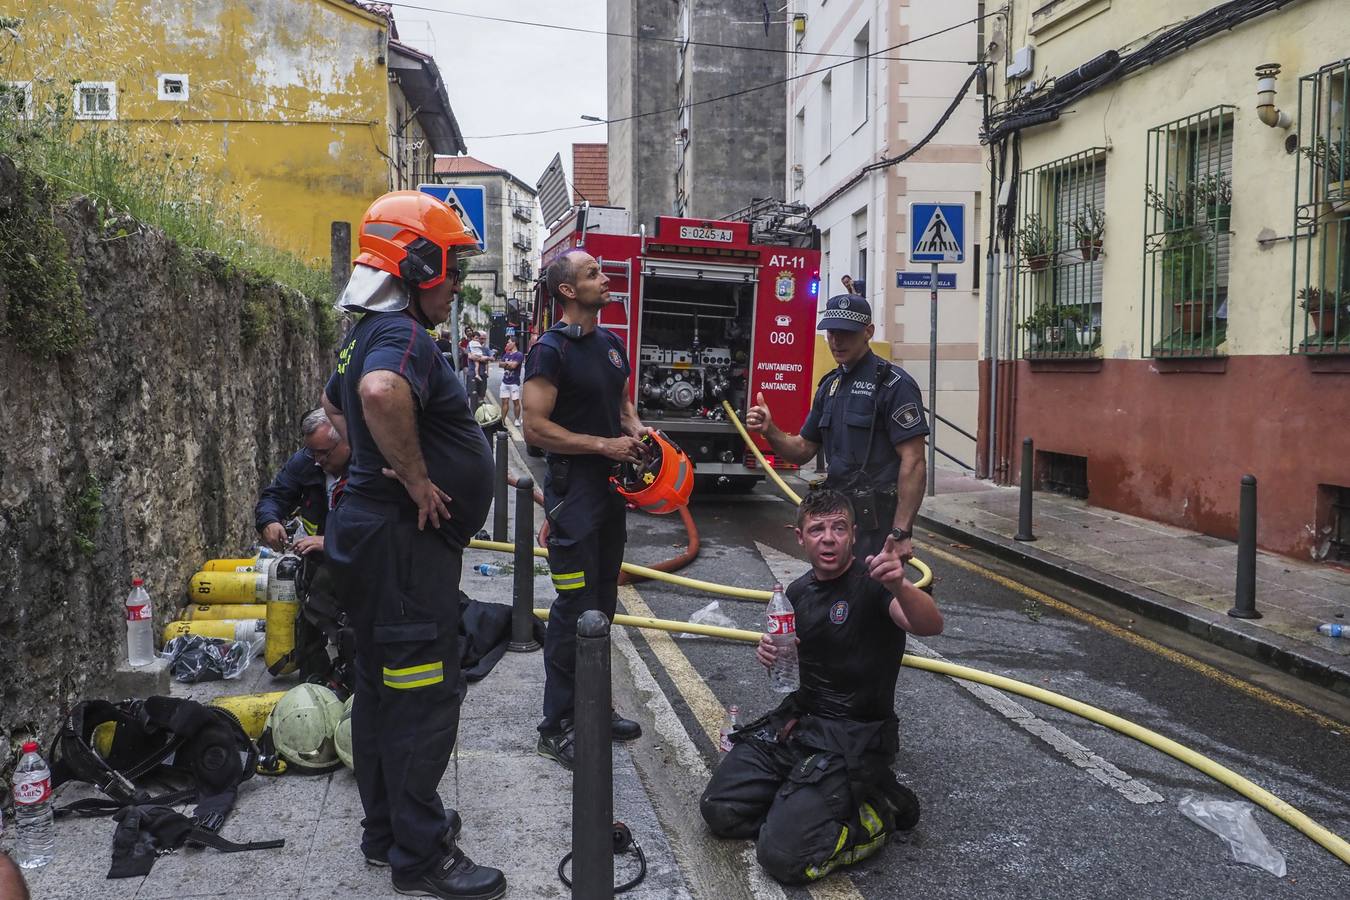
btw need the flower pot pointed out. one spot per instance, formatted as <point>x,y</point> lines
<point>1323,320</point>
<point>1219,212</point>
<point>1336,199</point>
<point>1191,316</point>
<point>1090,248</point>
<point>1054,335</point>
<point>1038,263</point>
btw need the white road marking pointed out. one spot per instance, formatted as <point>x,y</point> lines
<point>787,568</point>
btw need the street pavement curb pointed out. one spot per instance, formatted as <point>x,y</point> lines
<point>1233,634</point>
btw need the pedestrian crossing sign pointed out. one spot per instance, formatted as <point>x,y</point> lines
<point>937,232</point>
<point>469,202</point>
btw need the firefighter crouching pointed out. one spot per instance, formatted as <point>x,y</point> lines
<point>419,488</point>
<point>867,419</point>
<point>811,781</point>
<point>577,408</point>
<point>308,485</point>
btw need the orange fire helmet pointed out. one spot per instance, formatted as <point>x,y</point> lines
<point>414,236</point>
<point>663,483</point>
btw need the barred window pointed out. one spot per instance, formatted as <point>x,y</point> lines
<point>1058,244</point>
<point>1189,200</point>
<point>1320,317</point>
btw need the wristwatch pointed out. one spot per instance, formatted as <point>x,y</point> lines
<point>901,534</point>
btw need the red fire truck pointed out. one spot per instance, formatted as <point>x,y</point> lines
<point>710,311</point>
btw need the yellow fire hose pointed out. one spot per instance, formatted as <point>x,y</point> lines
<point>1258,795</point>
<point>925,573</point>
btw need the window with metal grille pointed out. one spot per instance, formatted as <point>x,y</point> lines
<point>1059,257</point>
<point>95,100</point>
<point>1188,201</point>
<point>1062,473</point>
<point>1320,315</point>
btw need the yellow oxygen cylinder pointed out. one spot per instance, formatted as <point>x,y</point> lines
<point>251,710</point>
<point>228,629</point>
<point>227,587</point>
<point>224,611</point>
<point>244,564</point>
<point>281,610</point>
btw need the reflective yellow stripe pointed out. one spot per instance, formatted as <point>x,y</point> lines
<point>876,833</point>
<point>414,676</point>
<point>310,528</point>
<point>569,581</point>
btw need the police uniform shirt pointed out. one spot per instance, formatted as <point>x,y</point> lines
<point>457,457</point>
<point>850,650</point>
<point>845,404</point>
<point>590,373</point>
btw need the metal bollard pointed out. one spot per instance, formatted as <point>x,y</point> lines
<point>499,510</point>
<point>1244,602</point>
<point>1024,498</point>
<point>522,594</point>
<point>593,777</point>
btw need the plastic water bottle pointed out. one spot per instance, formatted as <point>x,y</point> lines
<point>488,569</point>
<point>729,724</point>
<point>34,839</point>
<point>784,677</point>
<point>140,625</point>
<point>1331,629</point>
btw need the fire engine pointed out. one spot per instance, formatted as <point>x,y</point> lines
<point>709,311</point>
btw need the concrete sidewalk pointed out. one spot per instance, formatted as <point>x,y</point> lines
<point>516,805</point>
<point>1179,577</point>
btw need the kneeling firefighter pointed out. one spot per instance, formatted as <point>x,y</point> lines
<point>811,781</point>
<point>395,544</point>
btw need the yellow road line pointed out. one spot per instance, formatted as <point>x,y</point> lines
<point>709,711</point>
<point>1152,646</point>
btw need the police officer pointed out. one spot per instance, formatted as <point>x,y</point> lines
<point>577,409</point>
<point>419,489</point>
<point>309,484</point>
<point>812,780</point>
<point>867,417</point>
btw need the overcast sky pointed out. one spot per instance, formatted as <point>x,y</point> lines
<point>507,78</point>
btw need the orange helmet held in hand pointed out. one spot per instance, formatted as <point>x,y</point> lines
<point>663,483</point>
<point>414,236</point>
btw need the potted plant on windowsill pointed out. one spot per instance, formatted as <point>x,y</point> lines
<point>1036,243</point>
<point>1215,193</point>
<point>1189,280</point>
<point>1043,326</point>
<point>1088,228</point>
<point>1174,204</point>
<point>1332,160</point>
<point>1324,309</point>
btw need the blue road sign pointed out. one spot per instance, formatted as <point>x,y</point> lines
<point>469,200</point>
<point>924,280</point>
<point>937,232</point>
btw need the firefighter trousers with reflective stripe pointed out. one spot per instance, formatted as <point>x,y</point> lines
<point>399,587</point>
<point>585,550</point>
<point>798,807</point>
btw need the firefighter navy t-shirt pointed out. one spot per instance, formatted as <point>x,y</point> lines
<point>456,452</point>
<point>590,373</point>
<point>850,650</point>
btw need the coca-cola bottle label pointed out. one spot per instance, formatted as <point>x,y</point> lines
<point>782,623</point>
<point>33,787</point>
<point>138,612</point>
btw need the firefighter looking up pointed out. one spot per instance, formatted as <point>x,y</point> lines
<point>309,484</point>
<point>867,418</point>
<point>577,409</point>
<point>812,780</point>
<point>420,487</point>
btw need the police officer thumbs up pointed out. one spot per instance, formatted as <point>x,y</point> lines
<point>792,447</point>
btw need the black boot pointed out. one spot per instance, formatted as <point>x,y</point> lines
<point>622,729</point>
<point>456,878</point>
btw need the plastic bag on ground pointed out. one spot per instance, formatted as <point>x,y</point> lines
<point>709,615</point>
<point>1232,820</point>
<point>193,658</point>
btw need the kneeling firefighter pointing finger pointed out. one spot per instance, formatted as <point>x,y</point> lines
<point>418,489</point>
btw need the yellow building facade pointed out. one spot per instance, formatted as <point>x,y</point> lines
<point>1172,307</point>
<point>297,111</point>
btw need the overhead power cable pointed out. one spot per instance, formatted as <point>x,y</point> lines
<point>734,94</point>
<point>576,29</point>
<point>894,160</point>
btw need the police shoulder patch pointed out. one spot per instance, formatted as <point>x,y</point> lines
<point>615,358</point>
<point>906,416</point>
<point>839,612</point>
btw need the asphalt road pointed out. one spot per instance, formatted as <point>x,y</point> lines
<point>1021,799</point>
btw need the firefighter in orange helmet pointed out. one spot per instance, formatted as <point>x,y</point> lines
<point>396,541</point>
